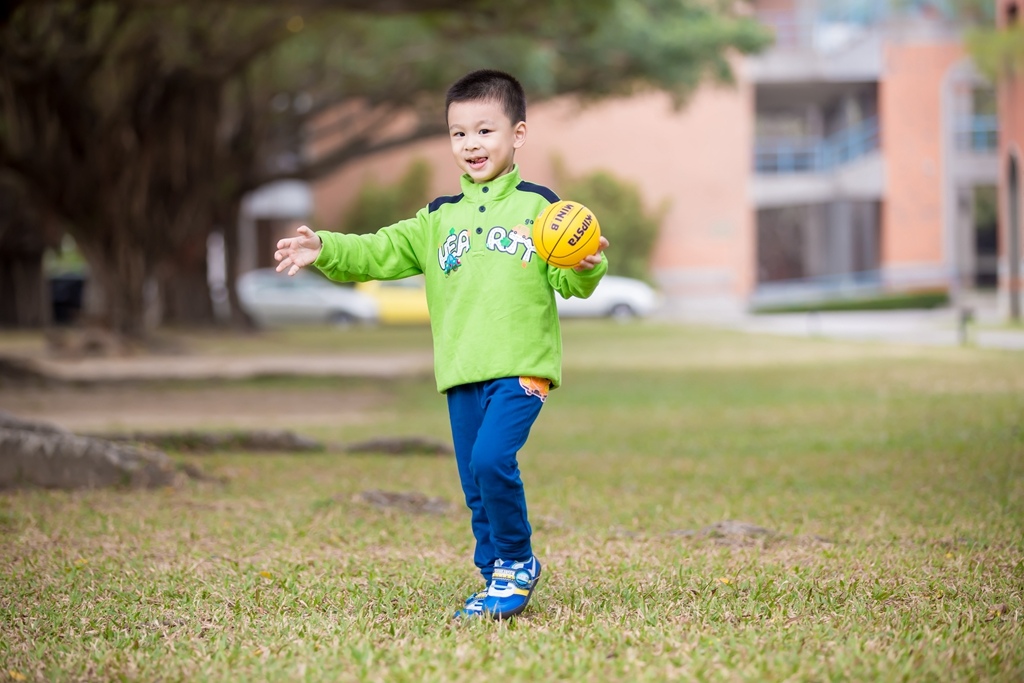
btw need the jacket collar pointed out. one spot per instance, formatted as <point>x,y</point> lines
<point>499,188</point>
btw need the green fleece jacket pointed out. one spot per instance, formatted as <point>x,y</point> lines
<point>491,298</point>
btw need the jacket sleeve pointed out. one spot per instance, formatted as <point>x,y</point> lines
<point>390,253</point>
<point>568,282</point>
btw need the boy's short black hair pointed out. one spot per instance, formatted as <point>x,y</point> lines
<point>490,84</point>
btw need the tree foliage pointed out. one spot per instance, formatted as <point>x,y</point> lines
<point>379,204</point>
<point>997,52</point>
<point>619,208</point>
<point>142,123</point>
<point>997,48</point>
<point>116,127</point>
<point>383,78</point>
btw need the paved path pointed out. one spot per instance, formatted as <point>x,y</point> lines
<point>929,328</point>
<point>240,367</point>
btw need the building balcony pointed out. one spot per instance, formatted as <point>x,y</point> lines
<point>821,30</point>
<point>977,134</point>
<point>976,147</point>
<point>820,155</point>
<point>847,164</point>
<point>820,49</point>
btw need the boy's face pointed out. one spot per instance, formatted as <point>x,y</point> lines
<point>483,139</point>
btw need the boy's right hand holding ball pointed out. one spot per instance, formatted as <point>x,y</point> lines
<point>295,253</point>
<point>589,262</point>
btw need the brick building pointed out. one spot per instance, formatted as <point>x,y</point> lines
<point>1011,156</point>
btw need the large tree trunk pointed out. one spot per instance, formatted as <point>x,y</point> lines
<point>185,292</point>
<point>239,318</point>
<point>137,176</point>
<point>24,294</point>
<point>24,238</point>
<point>118,278</point>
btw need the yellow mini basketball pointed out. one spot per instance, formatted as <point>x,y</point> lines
<point>565,233</point>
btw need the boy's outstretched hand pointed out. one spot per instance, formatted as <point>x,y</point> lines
<point>587,263</point>
<point>295,253</point>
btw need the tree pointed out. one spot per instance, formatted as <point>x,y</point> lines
<point>378,204</point>
<point>25,236</point>
<point>624,220</point>
<point>142,123</point>
<point>116,137</point>
<point>997,48</point>
<point>998,52</point>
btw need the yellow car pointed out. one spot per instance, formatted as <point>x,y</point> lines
<point>400,302</point>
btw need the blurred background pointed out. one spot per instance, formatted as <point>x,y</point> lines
<point>743,157</point>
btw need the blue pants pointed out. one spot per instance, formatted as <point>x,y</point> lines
<point>490,423</point>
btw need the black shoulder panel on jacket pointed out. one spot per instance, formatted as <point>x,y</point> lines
<point>440,201</point>
<point>539,189</point>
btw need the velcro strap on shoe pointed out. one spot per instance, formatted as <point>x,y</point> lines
<point>504,574</point>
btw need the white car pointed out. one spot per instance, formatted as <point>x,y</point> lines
<point>617,297</point>
<point>275,299</point>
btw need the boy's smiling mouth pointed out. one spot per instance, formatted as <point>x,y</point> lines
<point>476,163</point>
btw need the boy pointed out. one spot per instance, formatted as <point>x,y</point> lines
<point>497,343</point>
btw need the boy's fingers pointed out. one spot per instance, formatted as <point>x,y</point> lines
<point>284,254</point>
<point>590,262</point>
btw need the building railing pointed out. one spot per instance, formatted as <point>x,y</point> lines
<point>830,25</point>
<point>817,155</point>
<point>822,31</point>
<point>977,133</point>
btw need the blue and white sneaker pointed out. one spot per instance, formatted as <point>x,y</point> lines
<point>511,587</point>
<point>474,606</point>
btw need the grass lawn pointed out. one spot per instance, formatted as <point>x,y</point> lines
<point>890,478</point>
